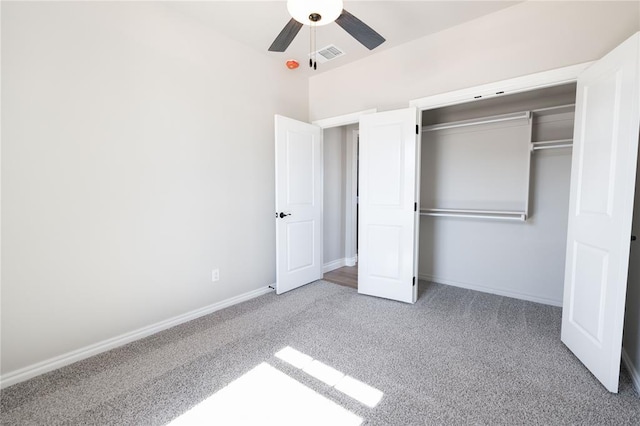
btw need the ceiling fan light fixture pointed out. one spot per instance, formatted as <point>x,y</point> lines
<point>301,10</point>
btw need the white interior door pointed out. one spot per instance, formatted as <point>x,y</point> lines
<point>387,217</point>
<point>603,170</point>
<point>298,203</point>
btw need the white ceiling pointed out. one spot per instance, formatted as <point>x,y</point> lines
<point>257,23</point>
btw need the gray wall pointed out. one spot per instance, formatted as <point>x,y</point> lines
<point>137,155</point>
<point>519,259</point>
<point>524,260</point>
<point>334,194</point>
<point>631,342</point>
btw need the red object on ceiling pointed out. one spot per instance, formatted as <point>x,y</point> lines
<point>292,64</point>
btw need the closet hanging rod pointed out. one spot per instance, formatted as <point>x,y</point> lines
<point>520,218</point>
<point>552,142</point>
<point>523,115</point>
<point>476,214</point>
<point>564,145</point>
<point>496,212</point>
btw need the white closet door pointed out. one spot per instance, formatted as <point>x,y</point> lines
<point>298,203</point>
<point>605,151</point>
<point>387,225</point>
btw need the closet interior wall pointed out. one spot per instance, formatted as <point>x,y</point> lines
<point>518,258</point>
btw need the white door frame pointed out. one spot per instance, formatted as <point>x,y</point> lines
<point>525,83</point>
<point>343,120</point>
<point>351,218</point>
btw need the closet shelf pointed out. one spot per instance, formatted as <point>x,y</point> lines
<point>523,115</point>
<point>560,109</point>
<point>477,214</point>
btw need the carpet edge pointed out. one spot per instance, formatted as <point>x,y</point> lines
<point>491,290</point>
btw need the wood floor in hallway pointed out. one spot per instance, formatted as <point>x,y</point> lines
<point>346,276</point>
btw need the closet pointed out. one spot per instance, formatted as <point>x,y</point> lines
<point>494,193</point>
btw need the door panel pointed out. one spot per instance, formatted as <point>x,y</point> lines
<point>385,168</point>
<point>600,118</point>
<point>300,168</point>
<point>605,151</point>
<point>387,225</point>
<point>386,259</point>
<point>299,234</point>
<point>588,290</point>
<point>299,200</point>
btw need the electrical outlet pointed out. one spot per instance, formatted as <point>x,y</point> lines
<point>215,275</point>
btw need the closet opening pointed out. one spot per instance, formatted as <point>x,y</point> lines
<point>494,193</point>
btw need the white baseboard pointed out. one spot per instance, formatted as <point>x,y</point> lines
<point>492,290</point>
<point>335,264</point>
<point>632,369</point>
<point>54,363</point>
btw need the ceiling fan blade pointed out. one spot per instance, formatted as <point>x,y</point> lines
<point>359,30</point>
<point>286,36</point>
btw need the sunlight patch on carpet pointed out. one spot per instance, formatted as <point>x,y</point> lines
<point>361,392</point>
<point>265,395</point>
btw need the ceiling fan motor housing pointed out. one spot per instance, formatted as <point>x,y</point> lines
<point>323,12</point>
<point>316,12</point>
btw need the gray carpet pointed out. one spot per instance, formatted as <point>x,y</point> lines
<point>455,357</point>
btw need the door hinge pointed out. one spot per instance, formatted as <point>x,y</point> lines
<point>417,130</point>
<point>414,281</point>
<point>415,207</point>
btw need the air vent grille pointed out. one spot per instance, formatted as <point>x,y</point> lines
<point>328,53</point>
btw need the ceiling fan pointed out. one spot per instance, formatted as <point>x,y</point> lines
<point>323,12</point>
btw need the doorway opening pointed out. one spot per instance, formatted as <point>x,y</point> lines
<point>340,213</point>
